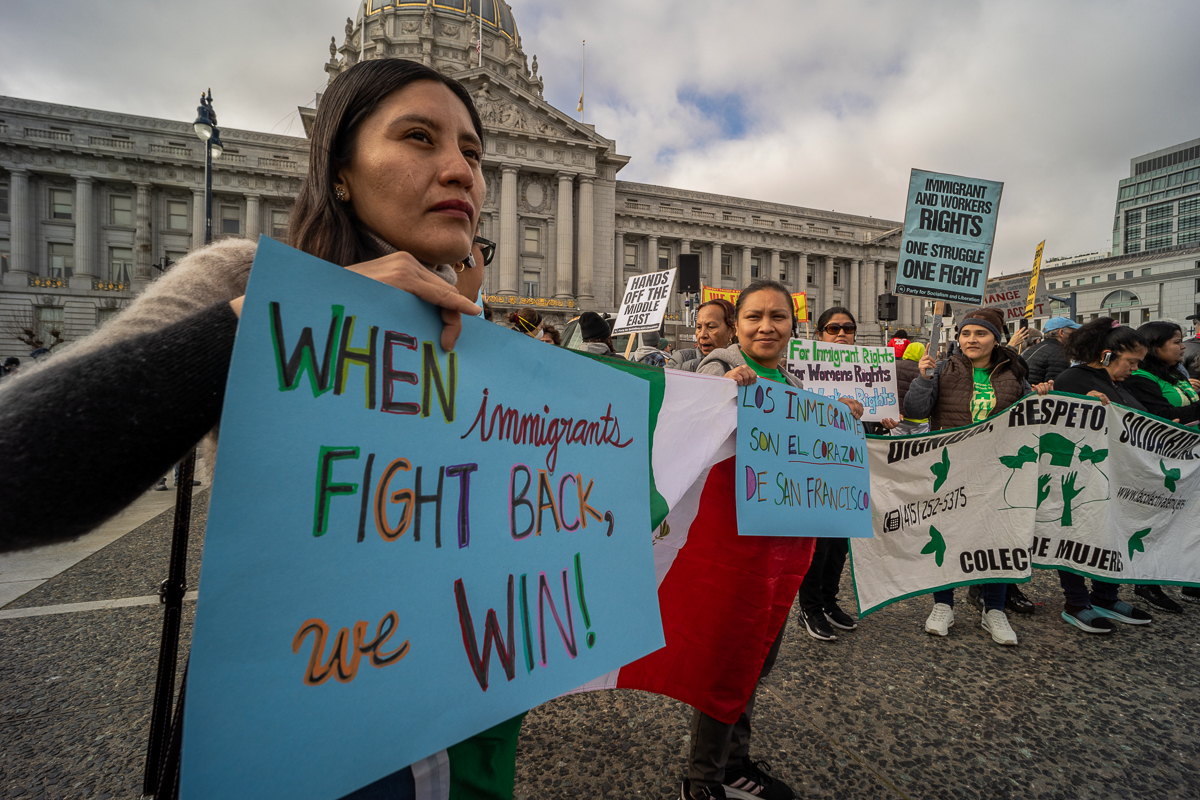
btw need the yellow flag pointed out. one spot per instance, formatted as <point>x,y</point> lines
<point>580,109</point>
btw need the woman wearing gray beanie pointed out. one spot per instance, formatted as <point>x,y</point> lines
<point>982,380</point>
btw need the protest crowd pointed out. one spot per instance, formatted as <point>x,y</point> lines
<point>419,235</point>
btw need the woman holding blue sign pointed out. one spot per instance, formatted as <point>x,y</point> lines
<point>720,763</point>
<point>981,381</point>
<point>393,192</point>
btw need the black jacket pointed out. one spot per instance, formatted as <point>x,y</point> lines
<point>1046,361</point>
<point>1151,394</point>
<point>1081,379</point>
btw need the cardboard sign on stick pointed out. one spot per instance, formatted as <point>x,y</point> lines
<point>645,302</point>
<point>949,225</point>
<point>405,546</point>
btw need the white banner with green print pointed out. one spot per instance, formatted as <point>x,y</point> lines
<point>1056,482</point>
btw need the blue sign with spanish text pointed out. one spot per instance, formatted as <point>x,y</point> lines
<point>801,465</point>
<point>949,225</point>
<point>405,546</point>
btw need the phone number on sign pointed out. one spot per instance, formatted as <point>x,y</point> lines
<point>918,512</point>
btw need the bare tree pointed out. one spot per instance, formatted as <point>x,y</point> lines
<point>21,324</point>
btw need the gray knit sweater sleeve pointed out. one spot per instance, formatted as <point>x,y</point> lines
<point>923,394</point>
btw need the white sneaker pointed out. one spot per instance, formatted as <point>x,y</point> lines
<point>940,620</point>
<point>995,622</point>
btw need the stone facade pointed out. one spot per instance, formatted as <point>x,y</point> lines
<point>91,201</point>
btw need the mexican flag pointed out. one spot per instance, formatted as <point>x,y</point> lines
<point>723,597</point>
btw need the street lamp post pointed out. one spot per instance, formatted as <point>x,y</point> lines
<point>161,775</point>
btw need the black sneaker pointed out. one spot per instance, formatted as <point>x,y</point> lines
<point>840,619</point>
<point>1121,612</point>
<point>160,487</point>
<point>1155,596</point>
<point>817,627</point>
<point>1015,600</point>
<point>975,595</point>
<point>1190,593</point>
<point>751,780</point>
<point>689,792</point>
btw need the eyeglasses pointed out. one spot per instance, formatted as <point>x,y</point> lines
<point>488,247</point>
<point>833,328</point>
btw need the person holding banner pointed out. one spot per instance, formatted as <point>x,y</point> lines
<point>907,370</point>
<point>715,321</point>
<point>1158,383</point>
<point>981,381</point>
<point>819,608</point>
<point>393,192</point>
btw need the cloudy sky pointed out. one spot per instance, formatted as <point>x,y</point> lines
<point>820,104</point>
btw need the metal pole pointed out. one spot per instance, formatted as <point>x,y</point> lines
<point>208,190</point>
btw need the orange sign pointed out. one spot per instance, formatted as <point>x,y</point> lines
<point>799,299</point>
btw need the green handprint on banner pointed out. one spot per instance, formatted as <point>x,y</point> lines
<point>1169,476</point>
<point>941,470</point>
<point>1043,488</point>
<point>1069,493</point>
<point>935,546</point>
<point>1135,543</point>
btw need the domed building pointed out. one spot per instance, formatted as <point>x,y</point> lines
<point>93,204</point>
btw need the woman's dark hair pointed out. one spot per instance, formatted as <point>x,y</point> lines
<point>1155,335</point>
<point>763,284</point>
<point>830,313</point>
<point>526,320</point>
<point>727,310</point>
<point>1088,343</point>
<point>552,332</point>
<point>320,224</point>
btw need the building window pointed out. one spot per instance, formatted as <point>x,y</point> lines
<point>1128,274</point>
<point>531,284</point>
<point>177,215</point>
<point>3,199</point>
<point>120,209</point>
<point>4,251</point>
<point>49,323</point>
<point>837,276</point>
<point>726,265</point>
<point>783,269</point>
<point>1159,212</point>
<point>1133,234</point>
<point>120,264</point>
<point>1050,286</point>
<point>231,224</point>
<point>1189,238</point>
<point>62,260</point>
<point>1146,272</point>
<point>60,204</point>
<point>1158,228</point>
<point>1192,204</point>
<point>103,315</point>
<point>664,258</point>
<point>532,240</point>
<point>1112,276</point>
<point>1159,243</point>
<point>631,257</point>
<point>1095,279</point>
<point>1187,223</point>
<point>279,223</point>
<point>1145,315</point>
<point>1133,217</point>
<point>808,276</point>
<point>755,265</point>
<point>1081,282</point>
<point>1121,298</point>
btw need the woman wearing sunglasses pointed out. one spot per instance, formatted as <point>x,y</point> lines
<point>818,594</point>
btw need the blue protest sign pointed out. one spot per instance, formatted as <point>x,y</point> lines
<point>405,546</point>
<point>949,225</point>
<point>801,465</point>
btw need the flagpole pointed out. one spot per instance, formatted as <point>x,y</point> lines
<point>362,35</point>
<point>583,84</point>
<point>479,42</point>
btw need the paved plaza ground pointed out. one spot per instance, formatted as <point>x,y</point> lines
<point>884,712</point>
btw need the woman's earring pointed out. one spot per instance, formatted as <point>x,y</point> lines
<point>340,194</point>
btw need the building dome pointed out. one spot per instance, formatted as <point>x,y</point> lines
<point>497,16</point>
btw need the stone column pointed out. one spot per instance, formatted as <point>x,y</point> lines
<point>652,254</point>
<point>880,280</point>
<point>587,230</point>
<point>853,291</point>
<point>867,299</point>
<point>619,270</point>
<point>564,248</point>
<point>141,238</point>
<point>507,246</point>
<point>774,267</point>
<point>85,231</point>
<point>197,218</point>
<point>253,223</point>
<point>715,266</point>
<point>551,277</point>
<point>827,294</point>
<point>20,257</point>
<point>802,275</point>
<point>685,247</point>
<point>747,253</point>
